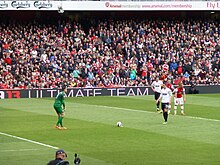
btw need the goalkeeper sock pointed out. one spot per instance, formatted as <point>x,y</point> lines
<point>61,121</point>
<point>58,122</point>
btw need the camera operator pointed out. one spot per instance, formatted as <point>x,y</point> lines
<point>60,157</point>
<point>76,160</point>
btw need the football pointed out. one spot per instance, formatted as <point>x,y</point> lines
<point>119,124</point>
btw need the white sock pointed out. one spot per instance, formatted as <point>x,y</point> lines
<point>182,109</point>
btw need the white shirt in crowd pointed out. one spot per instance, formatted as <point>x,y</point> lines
<point>166,93</point>
<point>157,85</point>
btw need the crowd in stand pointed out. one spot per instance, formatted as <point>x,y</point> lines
<point>110,53</point>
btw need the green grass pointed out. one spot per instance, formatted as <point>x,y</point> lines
<point>92,132</point>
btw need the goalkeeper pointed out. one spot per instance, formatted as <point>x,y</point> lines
<point>59,106</point>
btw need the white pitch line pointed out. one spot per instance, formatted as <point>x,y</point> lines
<point>27,140</point>
<point>201,118</point>
<point>133,110</point>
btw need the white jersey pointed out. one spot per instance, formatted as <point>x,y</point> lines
<point>166,93</point>
<point>157,86</point>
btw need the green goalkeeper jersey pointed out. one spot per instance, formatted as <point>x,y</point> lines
<point>59,101</point>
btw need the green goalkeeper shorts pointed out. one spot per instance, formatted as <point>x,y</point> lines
<point>58,109</point>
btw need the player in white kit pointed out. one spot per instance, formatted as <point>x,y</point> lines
<point>166,98</point>
<point>156,87</point>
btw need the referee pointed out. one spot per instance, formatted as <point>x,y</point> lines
<point>156,87</point>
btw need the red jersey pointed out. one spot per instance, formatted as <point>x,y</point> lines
<point>179,70</point>
<point>144,73</point>
<point>179,92</point>
<point>150,66</point>
<point>170,86</point>
<point>8,61</point>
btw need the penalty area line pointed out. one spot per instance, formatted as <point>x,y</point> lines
<point>27,140</point>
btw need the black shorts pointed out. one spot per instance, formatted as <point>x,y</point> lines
<point>156,95</point>
<point>164,106</point>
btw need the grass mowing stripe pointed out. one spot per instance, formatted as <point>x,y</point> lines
<point>142,111</point>
<point>179,126</point>
<point>27,140</point>
<point>126,109</point>
<point>40,131</point>
<point>193,107</point>
<point>92,133</point>
<point>20,150</point>
<point>133,110</point>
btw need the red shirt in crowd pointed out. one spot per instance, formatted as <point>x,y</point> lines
<point>150,66</point>
<point>163,77</point>
<point>179,70</point>
<point>8,61</point>
<point>144,72</point>
<point>176,82</point>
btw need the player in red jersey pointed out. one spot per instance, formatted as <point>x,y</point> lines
<point>180,98</point>
<point>170,86</point>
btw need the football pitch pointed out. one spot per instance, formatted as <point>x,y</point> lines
<point>28,135</point>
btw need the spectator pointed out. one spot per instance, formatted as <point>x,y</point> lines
<point>41,56</point>
<point>173,65</point>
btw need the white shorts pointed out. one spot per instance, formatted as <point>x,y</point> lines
<point>178,101</point>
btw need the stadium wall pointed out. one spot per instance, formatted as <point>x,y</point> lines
<point>87,92</point>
